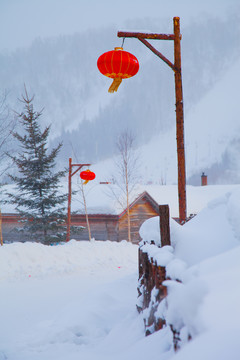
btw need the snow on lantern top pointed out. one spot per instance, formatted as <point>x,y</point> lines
<point>117,64</point>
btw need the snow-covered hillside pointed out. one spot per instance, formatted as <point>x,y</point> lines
<point>77,300</point>
<point>63,75</point>
<point>211,138</point>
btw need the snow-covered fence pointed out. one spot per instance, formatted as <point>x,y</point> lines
<point>152,293</point>
<point>150,290</point>
<point>151,276</point>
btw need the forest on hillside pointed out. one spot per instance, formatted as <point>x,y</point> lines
<point>62,74</point>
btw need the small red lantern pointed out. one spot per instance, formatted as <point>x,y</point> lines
<point>117,64</point>
<point>87,175</point>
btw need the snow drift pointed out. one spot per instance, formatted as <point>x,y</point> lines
<point>78,300</point>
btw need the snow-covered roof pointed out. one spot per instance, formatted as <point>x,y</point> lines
<point>100,198</point>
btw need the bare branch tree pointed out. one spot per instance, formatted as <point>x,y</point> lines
<point>85,208</point>
<point>126,172</point>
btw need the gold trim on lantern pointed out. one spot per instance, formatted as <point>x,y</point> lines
<point>114,75</point>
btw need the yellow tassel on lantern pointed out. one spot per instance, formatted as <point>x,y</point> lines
<point>85,182</point>
<point>115,85</point>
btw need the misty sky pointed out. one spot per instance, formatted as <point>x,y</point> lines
<point>21,21</point>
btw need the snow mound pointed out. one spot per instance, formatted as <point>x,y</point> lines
<point>23,260</point>
<point>204,256</point>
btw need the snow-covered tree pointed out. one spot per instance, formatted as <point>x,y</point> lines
<point>37,199</point>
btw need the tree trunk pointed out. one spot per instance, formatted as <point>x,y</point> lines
<point>87,221</point>
<point>128,211</point>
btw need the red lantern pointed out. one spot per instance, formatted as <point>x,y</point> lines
<point>87,175</point>
<point>117,64</point>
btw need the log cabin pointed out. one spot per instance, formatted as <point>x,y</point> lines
<point>104,226</point>
<point>109,222</point>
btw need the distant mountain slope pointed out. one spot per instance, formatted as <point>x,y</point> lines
<point>63,75</point>
<point>212,138</point>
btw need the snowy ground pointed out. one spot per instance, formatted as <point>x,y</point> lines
<point>77,301</point>
<point>67,301</point>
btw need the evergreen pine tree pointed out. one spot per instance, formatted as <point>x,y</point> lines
<point>37,199</point>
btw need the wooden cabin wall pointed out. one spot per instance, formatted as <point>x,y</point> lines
<point>9,223</point>
<point>140,212</point>
<point>101,229</point>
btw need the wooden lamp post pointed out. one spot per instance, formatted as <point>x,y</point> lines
<point>70,175</point>
<point>176,67</point>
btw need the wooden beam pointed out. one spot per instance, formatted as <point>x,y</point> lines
<point>149,36</point>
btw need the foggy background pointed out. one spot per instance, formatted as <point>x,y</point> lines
<point>52,47</point>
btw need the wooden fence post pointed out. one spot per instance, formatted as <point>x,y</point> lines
<point>164,225</point>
